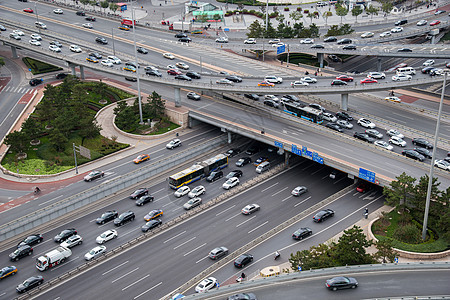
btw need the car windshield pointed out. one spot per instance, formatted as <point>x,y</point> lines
<point>92,252</point>
<point>103,235</point>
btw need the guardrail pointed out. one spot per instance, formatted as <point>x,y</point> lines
<point>55,210</point>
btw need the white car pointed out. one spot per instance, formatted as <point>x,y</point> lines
<point>106,236</point>
<point>168,55</point>
<point>329,117</point>
<point>54,48</point>
<point>72,241</point>
<point>107,63</point>
<point>422,23</point>
<point>442,164</point>
<point>40,25</point>
<point>88,25</point>
<point>299,83</point>
<point>393,99</point>
<point>231,182</point>
<point>250,41</point>
<point>366,123</point>
<point>75,48</point>
<point>367,35</point>
<point>307,41</point>
<point>184,190</point>
<point>345,124</point>
<point>192,203</point>
<point>206,284</point>
<point>15,36</point>
<point>298,191</point>
<point>385,34</point>
<point>394,132</point>
<point>397,29</point>
<point>383,145</point>
<point>401,77</point>
<point>249,209</point>
<point>173,144</point>
<point>428,63</point>
<point>224,81</point>
<point>274,41</point>
<point>376,75</point>
<point>99,250</point>
<point>309,79</point>
<point>222,39</point>
<point>182,65</point>
<point>273,79</point>
<point>36,37</point>
<point>34,42</point>
<point>397,141</point>
<point>18,32</point>
<point>278,44</point>
<point>58,11</point>
<point>174,67</point>
<point>197,191</point>
<point>115,60</point>
<point>272,97</point>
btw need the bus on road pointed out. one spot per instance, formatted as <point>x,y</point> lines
<point>304,112</point>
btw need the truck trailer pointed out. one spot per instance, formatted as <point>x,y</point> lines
<point>53,258</point>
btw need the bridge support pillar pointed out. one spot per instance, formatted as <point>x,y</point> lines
<point>433,39</point>
<point>82,72</point>
<point>229,137</point>
<point>72,67</point>
<point>320,57</point>
<point>14,52</point>
<point>177,97</point>
<point>344,101</point>
<point>286,159</point>
<point>379,64</point>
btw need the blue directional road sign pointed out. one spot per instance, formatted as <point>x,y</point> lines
<point>317,158</point>
<point>367,175</point>
<point>278,144</point>
<point>281,49</point>
<point>296,150</point>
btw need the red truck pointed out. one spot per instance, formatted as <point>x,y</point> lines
<point>128,22</point>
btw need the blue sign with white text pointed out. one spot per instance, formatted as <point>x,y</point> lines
<point>281,49</point>
<point>317,158</point>
<point>367,175</point>
<point>306,152</point>
<point>296,150</point>
<point>278,144</point>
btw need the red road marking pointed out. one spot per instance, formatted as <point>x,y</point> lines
<point>3,82</point>
<point>408,99</point>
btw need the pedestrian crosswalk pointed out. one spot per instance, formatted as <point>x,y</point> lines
<point>15,89</point>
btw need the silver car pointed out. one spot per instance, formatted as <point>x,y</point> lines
<point>173,144</point>
<point>218,252</point>
<point>345,124</point>
<point>197,191</point>
<point>182,191</point>
<point>192,203</point>
<point>72,241</point>
<point>95,252</point>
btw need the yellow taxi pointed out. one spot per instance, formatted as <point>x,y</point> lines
<point>129,69</point>
<point>266,83</point>
<point>141,158</point>
<point>153,214</point>
<point>7,271</point>
<point>124,27</point>
<point>92,59</point>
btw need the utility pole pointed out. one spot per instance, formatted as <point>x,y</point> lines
<point>141,121</point>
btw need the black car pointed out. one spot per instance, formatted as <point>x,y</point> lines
<point>334,58</point>
<point>330,39</point>
<point>349,47</point>
<point>364,137</point>
<point>180,35</point>
<point>341,282</point>
<point>183,77</point>
<point>235,173</point>
<point>323,215</point>
<point>243,260</point>
<point>64,235</point>
<point>193,96</point>
<point>344,41</point>
<point>101,40</point>
<point>61,75</point>
<point>132,64</point>
<point>233,152</point>
<point>31,240</point>
<point>139,193</point>
<point>427,70</point>
<point>404,50</point>
<point>144,199</point>
<point>334,126</point>
<point>214,176</point>
<point>270,103</point>
<point>234,78</point>
<point>142,50</point>
<point>80,13</point>
<point>20,252</point>
<point>338,82</point>
<point>422,143</point>
<point>253,150</point>
<point>35,81</point>
<point>243,161</point>
<point>344,116</point>
<point>193,75</point>
<point>150,225</point>
<point>96,55</point>
<point>90,18</point>
<point>2,28</point>
<point>185,40</point>
<point>154,73</point>
<point>252,96</point>
<point>107,216</point>
<point>317,46</point>
<point>243,296</point>
<point>29,284</point>
<point>413,154</point>
<point>425,152</point>
<point>401,22</point>
<point>134,79</point>
<point>302,233</point>
<point>124,218</point>
<point>56,43</point>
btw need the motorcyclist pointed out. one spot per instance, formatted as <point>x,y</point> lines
<point>277,254</point>
<point>37,190</point>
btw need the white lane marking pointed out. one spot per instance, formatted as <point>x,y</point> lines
<point>187,253</point>
<point>279,191</point>
<point>156,157</point>
<point>269,187</point>
<point>288,197</point>
<point>339,180</point>
<point>161,198</point>
<point>135,282</point>
<point>174,237</point>
<point>317,171</point>
<point>231,217</point>
<point>166,204</point>
<point>257,227</point>
<point>225,210</point>
<point>201,259</point>
<point>148,290</point>
<point>123,234</point>
<point>43,203</point>
<point>176,209</point>
<point>196,142</point>
<point>125,275</point>
<point>302,201</point>
<point>184,243</point>
<point>245,221</point>
<point>159,190</point>
<point>118,266</point>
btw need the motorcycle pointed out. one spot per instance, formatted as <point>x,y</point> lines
<point>277,255</point>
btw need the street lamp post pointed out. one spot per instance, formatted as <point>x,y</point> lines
<point>141,121</point>
<point>112,35</point>
<point>37,16</point>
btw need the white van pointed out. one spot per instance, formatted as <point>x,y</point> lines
<point>406,71</point>
<point>265,166</point>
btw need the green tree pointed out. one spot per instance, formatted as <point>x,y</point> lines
<point>314,30</point>
<point>84,2</point>
<point>31,128</point>
<point>351,248</point>
<point>443,225</point>
<point>311,15</point>
<point>58,140</point>
<point>89,128</point>
<point>270,32</point>
<point>93,3</point>
<point>385,253</point>
<point>398,191</point>
<point>114,7</point>
<point>17,141</point>
<point>356,11</point>
<point>156,106</point>
<point>202,18</point>
<point>326,15</point>
<point>316,257</point>
<point>371,10</point>
<point>104,5</point>
<point>296,15</point>
<point>341,11</point>
<point>420,192</point>
<point>2,62</point>
<point>386,7</point>
<point>255,30</point>
<point>346,29</point>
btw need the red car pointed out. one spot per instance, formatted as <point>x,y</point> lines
<point>28,10</point>
<point>174,72</point>
<point>436,22</point>
<point>362,188</point>
<point>368,80</point>
<point>344,78</point>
